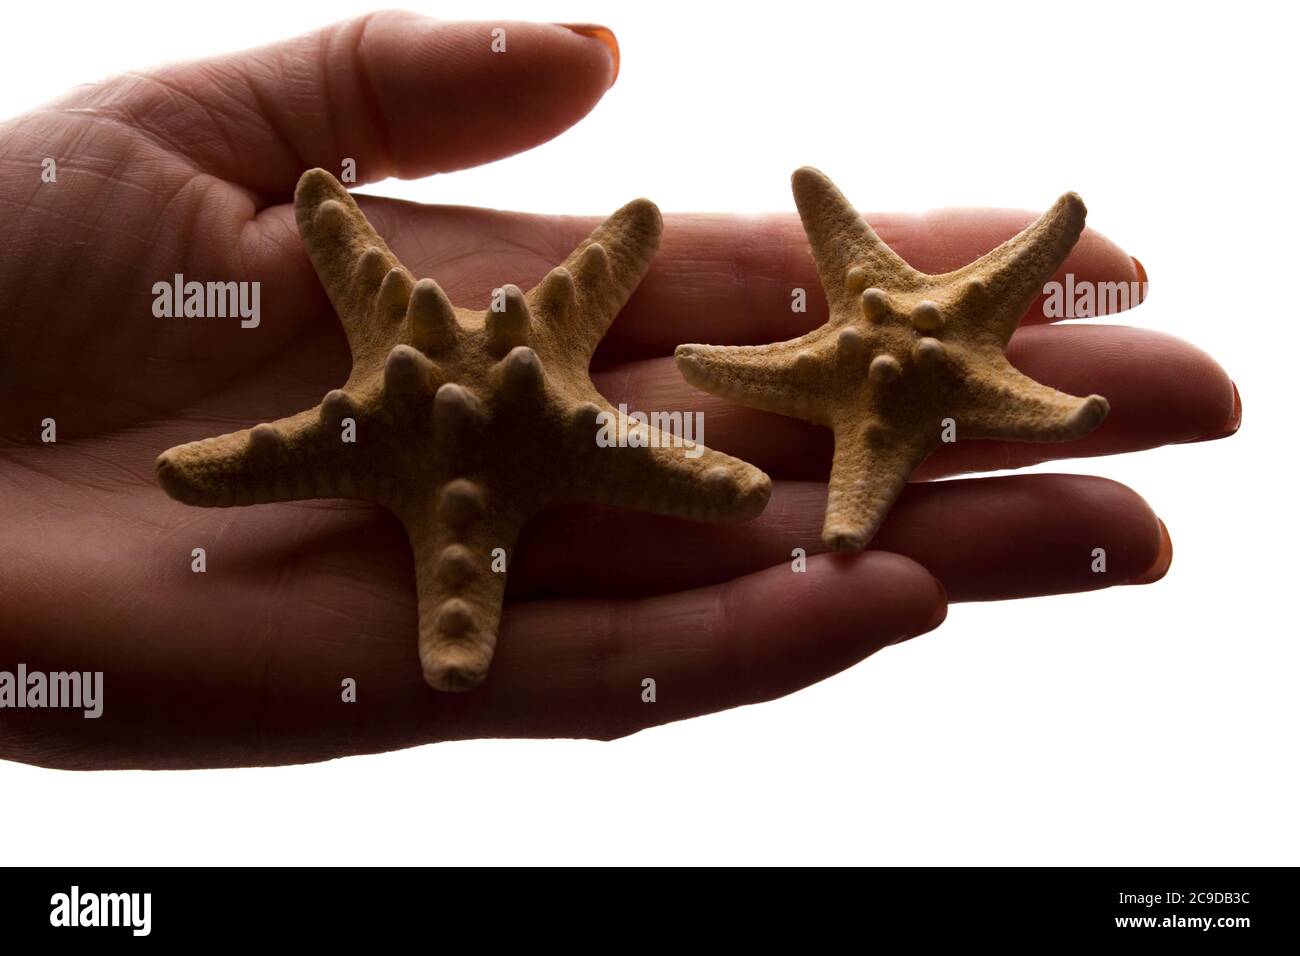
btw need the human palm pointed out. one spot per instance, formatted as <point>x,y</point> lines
<point>190,170</point>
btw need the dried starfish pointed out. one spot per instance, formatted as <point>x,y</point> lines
<point>466,423</point>
<point>901,352</point>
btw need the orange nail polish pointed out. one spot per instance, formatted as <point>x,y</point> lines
<point>604,34</point>
<point>1234,423</point>
<point>1164,558</point>
<point>1142,278</point>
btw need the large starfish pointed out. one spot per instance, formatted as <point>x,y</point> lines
<point>901,354</point>
<point>465,423</point>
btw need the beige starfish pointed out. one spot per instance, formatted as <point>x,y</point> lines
<point>902,353</point>
<point>466,423</point>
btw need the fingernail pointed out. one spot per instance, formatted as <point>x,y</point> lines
<point>1234,422</point>
<point>938,617</point>
<point>1231,426</point>
<point>1164,558</point>
<point>1142,279</point>
<point>604,34</point>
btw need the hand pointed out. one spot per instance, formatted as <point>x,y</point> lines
<point>191,169</point>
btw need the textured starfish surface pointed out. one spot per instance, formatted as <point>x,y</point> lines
<point>464,423</point>
<point>901,354</point>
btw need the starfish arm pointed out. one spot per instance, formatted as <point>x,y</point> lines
<point>869,471</point>
<point>666,481</point>
<point>461,551</point>
<point>369,287</point>
<point>1001,285</point>
<point>291,459</point>
<point>842,241</point>
<point>662,466</point>
<point>1002,402</point>
<point>579,299</point>
<point>772,378</point>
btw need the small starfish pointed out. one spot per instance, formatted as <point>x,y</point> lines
<point>901,352</point>
<point>466,423</point>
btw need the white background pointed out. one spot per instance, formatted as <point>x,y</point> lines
<point>1137,725</point>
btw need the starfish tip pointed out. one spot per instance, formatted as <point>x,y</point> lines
<point>814,190</point>
<point>644,207</point>
<point>1092,412</point>
<point>642,213</point>
<point>844,540</point>
<point>754,497</point>
<point>808,176</point>
<point>315,186</point>
<point>453,672</point>
<point>1072,207</point>
<point>170,475</point>
<point>183,483</point>
<point>687,357</point>
<point>690,361</point>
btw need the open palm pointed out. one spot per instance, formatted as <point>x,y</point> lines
<point>190,169</point>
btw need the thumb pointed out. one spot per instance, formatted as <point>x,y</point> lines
<point>401,94</point>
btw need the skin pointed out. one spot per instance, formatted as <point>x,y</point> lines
<point>191,169</point>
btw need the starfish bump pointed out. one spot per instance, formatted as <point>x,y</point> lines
<point>902,353</point>
<point>466,423</point>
